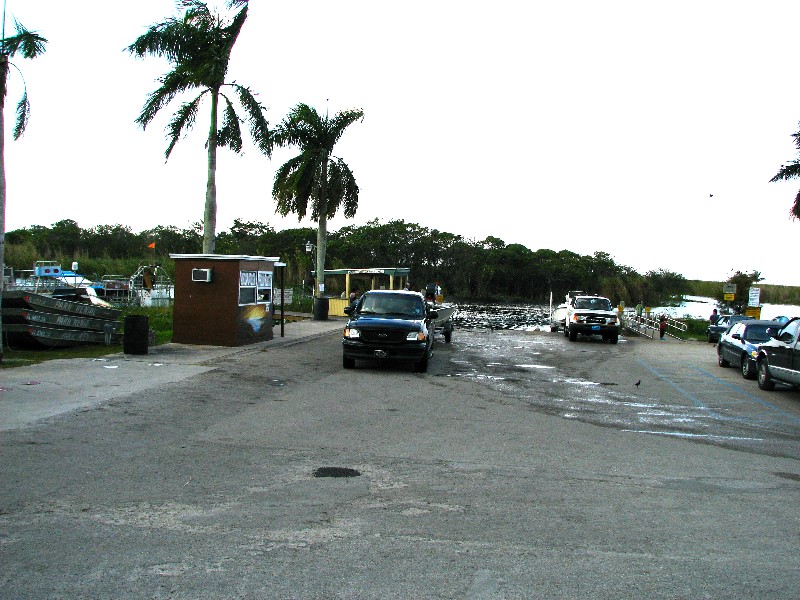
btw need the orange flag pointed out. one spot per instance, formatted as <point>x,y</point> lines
<point>152,245</point>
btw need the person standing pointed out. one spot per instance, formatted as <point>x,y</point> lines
<point>639,309</point>
<point>662,327</point>
<point>714,317</point>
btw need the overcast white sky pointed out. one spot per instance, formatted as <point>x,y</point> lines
<point>586,126</point>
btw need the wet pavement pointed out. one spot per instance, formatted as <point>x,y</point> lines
<point>681,390</point>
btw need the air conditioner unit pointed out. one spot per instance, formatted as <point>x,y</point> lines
<point>203,275</point>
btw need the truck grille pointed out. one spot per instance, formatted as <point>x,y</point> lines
<point>383,335</point>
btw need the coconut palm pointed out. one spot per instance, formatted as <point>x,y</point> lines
<point>791,171</point>
<point>199,47</point>
<point>27,44</point>
<point>315,177</point>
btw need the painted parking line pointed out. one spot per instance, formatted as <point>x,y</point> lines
<point>793,418</point>
<point>687,394</point>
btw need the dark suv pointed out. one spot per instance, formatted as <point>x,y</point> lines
<point>389,325</point>
<point>779,358</point>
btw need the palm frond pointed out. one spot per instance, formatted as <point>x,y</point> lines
<point>28,44</point>
<point>796,137</point>
<point>23,114</point>
<point>230,134</point>
<point>182,120</point>
<point>155,102</point>
<point>341,121</point>
<point>342,189</point>
<point>259,127</point>
<point>293,186</point>
<point>786,172</point>
<point>163,39</point>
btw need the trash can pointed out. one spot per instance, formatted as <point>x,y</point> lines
<point>137,330</point>
<point>320,309</point>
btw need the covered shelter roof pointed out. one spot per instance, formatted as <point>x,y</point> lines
<point>373,273</point>
<point>391,271</point>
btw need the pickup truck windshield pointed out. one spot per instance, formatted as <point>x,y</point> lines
<point>593,304</point>
<point>392,305</point>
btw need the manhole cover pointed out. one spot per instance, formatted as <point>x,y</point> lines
<point>335,472</point>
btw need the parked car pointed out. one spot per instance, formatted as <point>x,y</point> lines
<point>389,325</point>
<point>779,359</point>
<point>721,326</point>
<point>739,345</point>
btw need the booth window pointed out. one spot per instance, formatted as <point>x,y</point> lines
<point>255,287</point>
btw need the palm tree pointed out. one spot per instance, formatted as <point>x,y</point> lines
<point>791,171</point>
<point>199,47</point>
<point>315,176</point>
<point>27,44</point>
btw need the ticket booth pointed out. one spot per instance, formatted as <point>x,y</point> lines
<point>222,300</point>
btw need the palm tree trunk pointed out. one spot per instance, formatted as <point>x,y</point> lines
<point>210,214</point>
<point>3,79</point>
<point>322,229</point>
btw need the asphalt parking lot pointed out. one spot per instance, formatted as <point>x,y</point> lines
<point>520,466</point>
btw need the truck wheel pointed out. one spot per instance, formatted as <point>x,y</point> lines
<point>573,335</point>
<point>422,365</point>
<point>348,363</point>
<point>748,369</point>
<point>566,331</point>
<point>448,335</point>
<point>765,381</point>
<point>614,338</point>
<point>721,361</point>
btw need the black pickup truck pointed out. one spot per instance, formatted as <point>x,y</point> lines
<point>779,359</point>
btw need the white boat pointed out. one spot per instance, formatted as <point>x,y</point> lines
<point>443,323</point>
<point>444,312</point>
<point>558,315</point>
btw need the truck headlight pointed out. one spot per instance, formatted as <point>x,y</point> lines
<point>351,333</point>
<point>416,336</point>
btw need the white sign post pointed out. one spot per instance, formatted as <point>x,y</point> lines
<point>287,296</point>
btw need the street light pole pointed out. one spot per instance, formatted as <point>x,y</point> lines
<point>311,249</point>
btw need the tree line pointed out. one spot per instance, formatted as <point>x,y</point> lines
<point>467,269</point>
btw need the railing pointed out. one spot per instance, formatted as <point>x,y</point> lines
<point>648,324</point>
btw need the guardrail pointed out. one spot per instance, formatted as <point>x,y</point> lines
<point>648,324</point>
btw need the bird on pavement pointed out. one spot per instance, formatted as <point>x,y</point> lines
<point>637,383</point>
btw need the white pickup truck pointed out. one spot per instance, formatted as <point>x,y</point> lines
<point>591,315</point>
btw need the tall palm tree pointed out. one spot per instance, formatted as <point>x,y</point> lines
<point>791,171</point>
<point>27,44</point>
<point>199,47</point>
<point>315,176</point>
